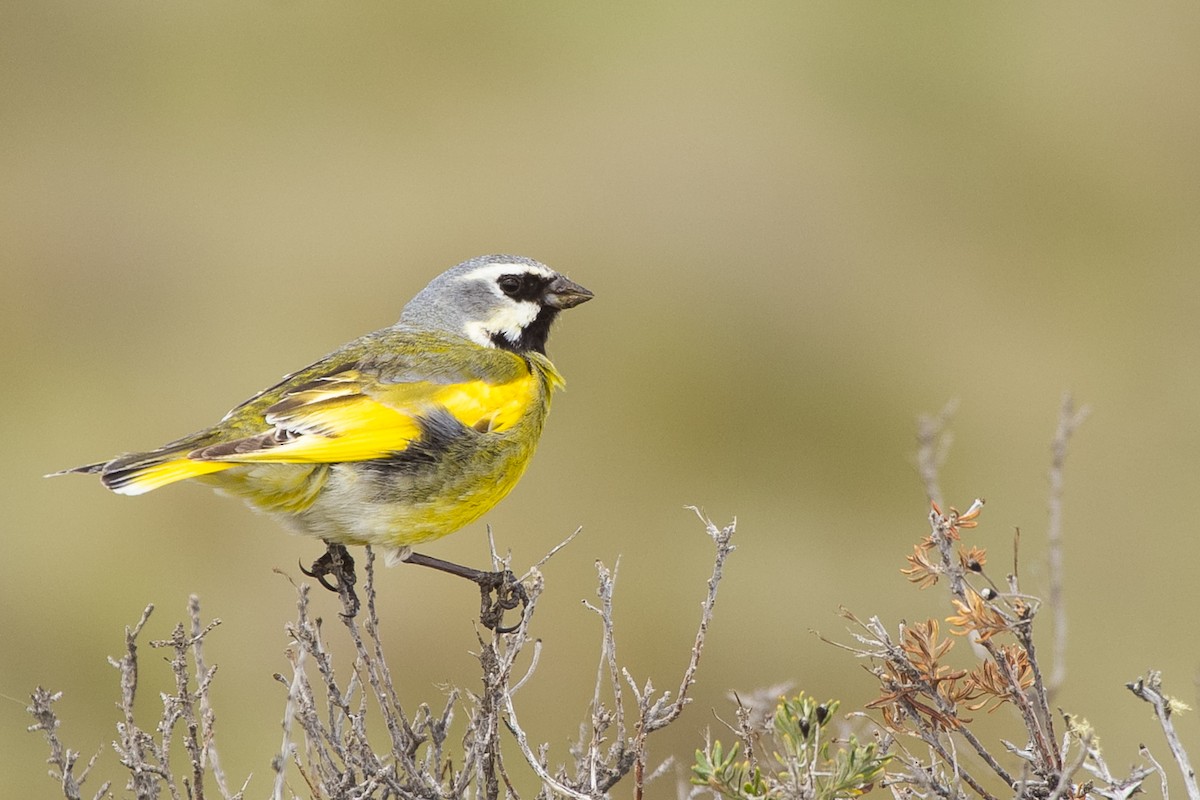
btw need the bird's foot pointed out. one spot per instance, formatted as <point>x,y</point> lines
<point>337,562</point>
<point>509,593</point>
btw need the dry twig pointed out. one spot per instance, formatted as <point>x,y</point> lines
<point>1069,420</point>
<point>1149,689</point>
<point>347,736</point>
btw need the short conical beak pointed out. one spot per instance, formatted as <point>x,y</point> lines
<point>564,293</point>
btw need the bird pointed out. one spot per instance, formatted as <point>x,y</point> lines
<point>397,438</point>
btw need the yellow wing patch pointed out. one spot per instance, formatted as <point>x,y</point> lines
<point>351,417</point>
<point>487,407</point>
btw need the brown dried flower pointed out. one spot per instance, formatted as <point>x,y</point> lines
<point>953,521</point>
<point>923,572</point>
<point>972,558</point>
<point>975,615</point>
<point>989,683</point>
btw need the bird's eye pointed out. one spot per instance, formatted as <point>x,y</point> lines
<point>510,284</point>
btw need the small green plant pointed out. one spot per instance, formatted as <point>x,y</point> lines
<point>809,762</point>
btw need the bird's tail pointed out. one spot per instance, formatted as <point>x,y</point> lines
<point>138,473</point>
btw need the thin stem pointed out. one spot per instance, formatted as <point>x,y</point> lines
<point>1150,690</point>
<point>1069,419</point>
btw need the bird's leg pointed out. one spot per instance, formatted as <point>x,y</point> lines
<point>509,591</point>
<point>337,562</point>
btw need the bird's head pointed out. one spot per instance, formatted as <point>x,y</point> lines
<point>500,301</point>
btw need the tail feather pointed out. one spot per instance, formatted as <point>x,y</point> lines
<point>86,469</point>
<point>143,476</point>
<point>143,472</point>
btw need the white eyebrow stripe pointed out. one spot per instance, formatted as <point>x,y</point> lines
<point>495,270</point>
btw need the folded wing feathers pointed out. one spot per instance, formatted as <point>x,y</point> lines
<point>329,419</point>
<point>340,417</point>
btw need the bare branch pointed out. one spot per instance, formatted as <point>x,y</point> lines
<point>62,758</point>
<point>1149,689</point>
<point>1069,420</point>
<point>333,724</point>
<point>722,537</point>
<point>933,446</point>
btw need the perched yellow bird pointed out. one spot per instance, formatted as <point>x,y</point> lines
<point>399,437</point>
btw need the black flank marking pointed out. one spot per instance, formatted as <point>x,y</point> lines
<point>440,432</point>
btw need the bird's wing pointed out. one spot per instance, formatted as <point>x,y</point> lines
<point>358,415</point>
<point>365,400</point>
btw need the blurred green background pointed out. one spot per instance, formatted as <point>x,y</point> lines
<point>805,224</point>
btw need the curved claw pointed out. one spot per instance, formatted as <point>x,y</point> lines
<point>509,594</point>
<point>337,562</point>
<point>316,574</point>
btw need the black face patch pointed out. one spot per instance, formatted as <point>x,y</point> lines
<point>523,286</point>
